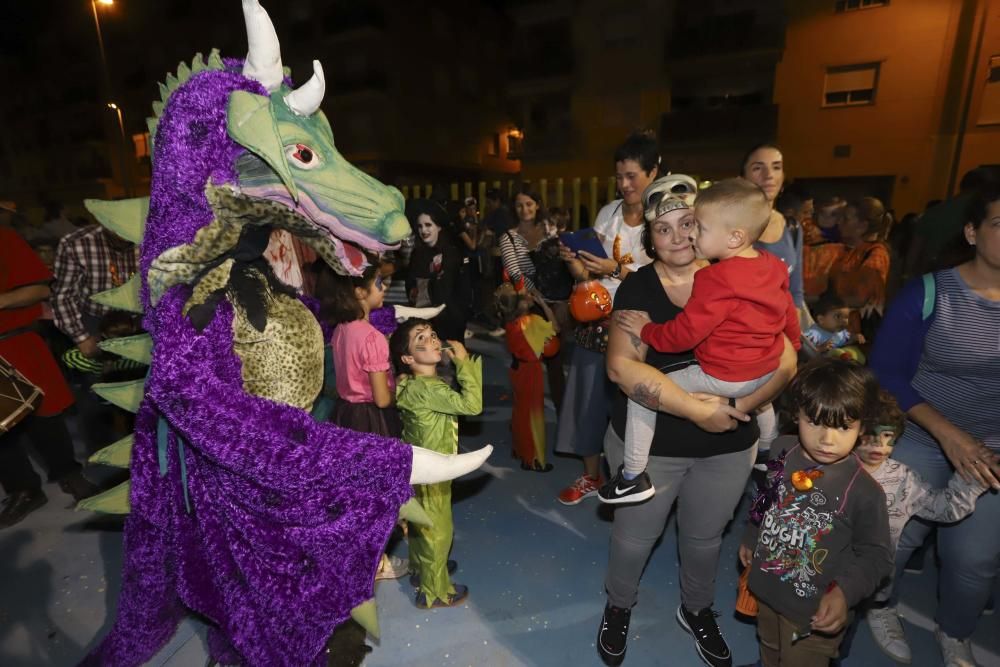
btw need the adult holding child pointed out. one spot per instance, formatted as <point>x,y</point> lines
<point>589,394</point>
<point>699,456</point>
<point>736,320</point>
<point>936,353</point>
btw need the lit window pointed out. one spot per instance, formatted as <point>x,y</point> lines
<point>989,110</point>
<point>850,5</point>
<point>514,138</point>
<point>141,142</point>
<point>850,85</point>
<point>494,146</point>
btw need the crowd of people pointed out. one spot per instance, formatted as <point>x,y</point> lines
<point>677,336</point>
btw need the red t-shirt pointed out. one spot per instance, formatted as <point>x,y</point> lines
<point>20,266</point>
<point>738,309</point>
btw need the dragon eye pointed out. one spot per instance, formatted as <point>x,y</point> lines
<point>301,156</point>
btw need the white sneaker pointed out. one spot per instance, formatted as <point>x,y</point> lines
<point>956,652</point>
<point>887,632</point>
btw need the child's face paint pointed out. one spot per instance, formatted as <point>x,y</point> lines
<point>375,297</point>
<point>425,346</point>
<point>874,449</point>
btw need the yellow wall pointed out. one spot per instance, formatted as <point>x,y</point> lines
<point>909,133</point>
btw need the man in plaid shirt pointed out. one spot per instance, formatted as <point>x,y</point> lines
<point>89,261</point>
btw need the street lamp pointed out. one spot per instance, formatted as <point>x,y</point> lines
<point>124,146</point>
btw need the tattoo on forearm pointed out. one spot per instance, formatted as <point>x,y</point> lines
<point>636,341</point>
<point>647,395</point>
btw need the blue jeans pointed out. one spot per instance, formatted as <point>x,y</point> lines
<point>969,550</point>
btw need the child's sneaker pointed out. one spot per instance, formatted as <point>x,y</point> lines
<point>887,632</point>
<point>619,490</point>
<point>612,637</point>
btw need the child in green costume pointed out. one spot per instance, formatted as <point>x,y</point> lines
<point>430,408</point>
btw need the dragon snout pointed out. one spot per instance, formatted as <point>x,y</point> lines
<point>394,227</point>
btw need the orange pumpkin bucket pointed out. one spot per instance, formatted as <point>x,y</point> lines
<point>746,603</point>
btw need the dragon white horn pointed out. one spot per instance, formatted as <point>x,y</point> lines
<point>305,99</point>
<point>263,61</point>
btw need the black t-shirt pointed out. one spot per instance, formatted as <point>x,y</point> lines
<point>674,436</point>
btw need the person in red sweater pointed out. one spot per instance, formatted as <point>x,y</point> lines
<point>739,311</point>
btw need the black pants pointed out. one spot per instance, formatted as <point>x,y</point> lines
<point>50,439</point>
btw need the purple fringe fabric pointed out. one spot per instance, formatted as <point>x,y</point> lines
<point>289,516</point>
<point>384,319</point>
<point>191,149</point>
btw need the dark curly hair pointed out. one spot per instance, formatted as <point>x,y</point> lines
<point>888,414</point>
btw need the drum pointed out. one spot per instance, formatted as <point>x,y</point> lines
<point>18,396</point>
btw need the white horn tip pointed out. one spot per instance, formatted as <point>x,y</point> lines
<point>305,99</point>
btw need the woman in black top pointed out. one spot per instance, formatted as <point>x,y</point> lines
<point>437,272</point>
<point>700,455</point>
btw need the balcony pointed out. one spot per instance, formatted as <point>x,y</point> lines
<point>716,127</point>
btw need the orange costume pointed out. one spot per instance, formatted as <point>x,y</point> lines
<point>857,275</point>
<point>529,339</point>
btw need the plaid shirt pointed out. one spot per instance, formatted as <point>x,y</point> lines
<point>85,265</point>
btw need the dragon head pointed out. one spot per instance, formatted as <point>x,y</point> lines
<point>235,145</point>
<point>291,159</point>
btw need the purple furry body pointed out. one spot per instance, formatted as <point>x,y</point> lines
<point>288,516</point>
<point>384,320</point>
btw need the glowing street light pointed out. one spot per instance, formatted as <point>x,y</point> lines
<point>107,89</point>
<point>100,41</point>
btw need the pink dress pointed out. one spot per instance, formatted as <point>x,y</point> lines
<point>359,349</point>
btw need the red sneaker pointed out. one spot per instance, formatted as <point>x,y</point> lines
<point>584,487</point>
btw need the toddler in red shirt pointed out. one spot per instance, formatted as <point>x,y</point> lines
<point>739,310</point>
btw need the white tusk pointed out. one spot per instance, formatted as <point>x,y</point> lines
<point>305,99</point>
<point>263,61</point>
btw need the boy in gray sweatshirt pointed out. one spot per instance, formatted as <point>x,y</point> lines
<point>818,540</point>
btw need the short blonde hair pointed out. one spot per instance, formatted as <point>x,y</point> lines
<point>744,204</point>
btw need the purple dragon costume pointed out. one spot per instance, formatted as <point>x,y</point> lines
<point>242,507</point>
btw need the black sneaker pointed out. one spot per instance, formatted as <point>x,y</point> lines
<point>619,490</point>
<point>612,637</point>
<point>708,639</point>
